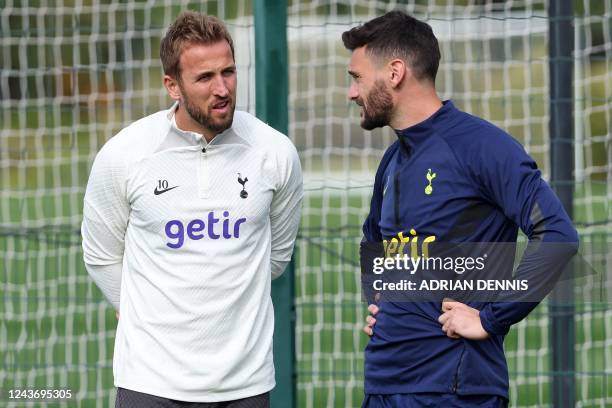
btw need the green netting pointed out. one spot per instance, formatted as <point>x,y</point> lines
<point>494,64</point>
<point>72,73</point>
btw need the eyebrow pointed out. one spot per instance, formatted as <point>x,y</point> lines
<point>212,71</point>
<point>204,73</point>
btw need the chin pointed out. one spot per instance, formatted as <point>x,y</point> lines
<point>222,126</point>
<point>368,125</point>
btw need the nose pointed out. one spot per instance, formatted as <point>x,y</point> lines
<point>220,88</point>
<point>352,92</point>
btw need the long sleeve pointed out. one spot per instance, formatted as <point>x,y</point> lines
<point>286,208</point>
<point>371,229</point>
<point>105,219</point>
<point>511,179</point>
<point>371,245</point>
<point>108,279</point>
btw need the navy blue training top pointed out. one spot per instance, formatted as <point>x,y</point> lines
<point>457,178</point>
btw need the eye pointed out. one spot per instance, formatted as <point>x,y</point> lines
<point>229,72</point>
<point>205,77</point>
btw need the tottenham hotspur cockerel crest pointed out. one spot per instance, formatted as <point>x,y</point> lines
<point>243,193</point>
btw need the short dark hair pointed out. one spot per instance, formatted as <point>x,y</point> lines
<point>190,28</point>
<point>398,35</point>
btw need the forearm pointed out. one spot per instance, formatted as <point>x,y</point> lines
<point>541,268</point>
<point>284,233</point>
<point>108,279</point>
<point>285,208</point>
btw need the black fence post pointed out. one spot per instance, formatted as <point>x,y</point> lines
<point>561,303</point>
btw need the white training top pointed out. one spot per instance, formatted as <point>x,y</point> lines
<point>197,237</point>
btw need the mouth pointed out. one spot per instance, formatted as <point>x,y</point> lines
<point>361,107</point>
<point>361,110</point>
<point>221,107</point>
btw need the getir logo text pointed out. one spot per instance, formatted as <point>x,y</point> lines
<point>396,245</point>
<point>212,228</point>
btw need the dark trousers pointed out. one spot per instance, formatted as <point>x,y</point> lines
<point>433,400</point>
<point>134,399</point>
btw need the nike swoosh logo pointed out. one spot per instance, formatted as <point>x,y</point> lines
<point>158,192</point>
<point>386,185</point>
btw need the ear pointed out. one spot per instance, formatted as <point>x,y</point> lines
<point>397,72</point>
<point>172,87</point>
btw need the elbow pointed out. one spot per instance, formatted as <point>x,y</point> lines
<point>277,268</point>
<point>568,242</point>
<point>574,243</point>
<point>562,234</point>
<point>571,239</point>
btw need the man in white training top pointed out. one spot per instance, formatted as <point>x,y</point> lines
<point>189,213</point>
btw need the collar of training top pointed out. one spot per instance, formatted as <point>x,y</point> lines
<point>414,135</point>
<point>193,137</point>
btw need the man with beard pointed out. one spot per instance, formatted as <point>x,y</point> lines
<point>188,215</point>
<point>450,177</point>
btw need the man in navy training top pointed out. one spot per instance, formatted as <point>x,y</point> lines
<point>450,177</point>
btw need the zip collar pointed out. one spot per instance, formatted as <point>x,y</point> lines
<point>412,137</point>
<point>194,138</point>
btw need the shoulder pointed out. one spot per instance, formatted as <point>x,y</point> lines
<point>472,136</point>
<point>137,140</point>
<point>254,130</point>
<point>262,136</point>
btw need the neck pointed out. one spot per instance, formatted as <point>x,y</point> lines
<point>186,123</point>
<point>415,105</point>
